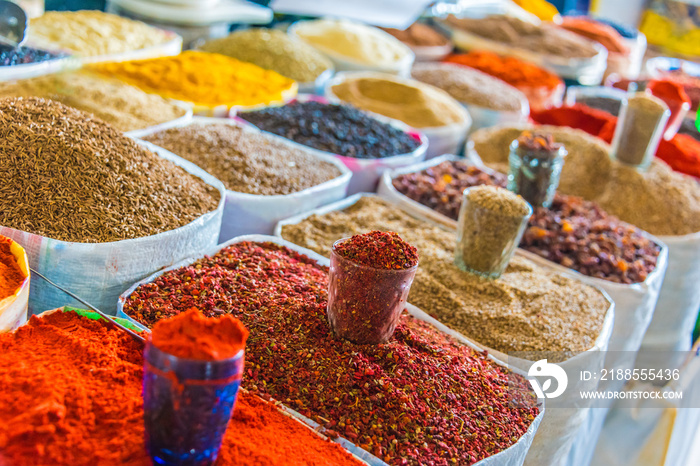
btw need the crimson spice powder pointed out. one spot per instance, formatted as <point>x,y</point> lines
<point>422,398</point>
<point>379,249</point>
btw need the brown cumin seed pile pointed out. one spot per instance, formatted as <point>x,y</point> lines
<point>69,176</point>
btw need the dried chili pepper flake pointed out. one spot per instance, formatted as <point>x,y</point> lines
<point>420,384</point>
<point>379,249</point>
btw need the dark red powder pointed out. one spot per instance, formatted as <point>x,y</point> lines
<point>379,249</point>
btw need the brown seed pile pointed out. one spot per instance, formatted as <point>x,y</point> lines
<point>125,107</point>
<point>245,161</point>
<point>544,38</point>
<point>526,309</point>
<point>470,86</point>
<point>658,200</point>
<point>69,176</point>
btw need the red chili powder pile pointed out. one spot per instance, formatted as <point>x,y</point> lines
<point>71,395</point>
<point>191,335</point>
<point>11,276</point>
<point>379,249</point>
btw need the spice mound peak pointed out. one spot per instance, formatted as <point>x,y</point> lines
<point>499,200</point>
<point>379,249</point>
<point>191,335</point>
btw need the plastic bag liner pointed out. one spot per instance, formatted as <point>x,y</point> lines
<point>365,172</point>
<point>679,301</point>
<point>560,425</point>
<point>654,432</point>
<point>99,272</point>
<point>13,308</point>
<point>441,139</point>
<point>253,213</point>
<point>512,456</point>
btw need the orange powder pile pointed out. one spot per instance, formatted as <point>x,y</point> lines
<point>191,335</point>
<point>11,276</point>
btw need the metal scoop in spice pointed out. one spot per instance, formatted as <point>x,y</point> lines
<point>13,24</point>
<point>491,222</point>
<point>535,162</point>
<point>133,334</point>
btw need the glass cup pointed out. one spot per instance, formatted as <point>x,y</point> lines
<point>639,130</point>
<point>486,239</point>
<point>365,303</point>
<point>187,405</point>
<point>534,174</point>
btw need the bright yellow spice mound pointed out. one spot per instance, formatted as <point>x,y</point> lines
<point>206,79</point>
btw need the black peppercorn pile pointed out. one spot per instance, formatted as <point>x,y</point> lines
<point>338,129</point>
<point>10,56</point>
<point>575,233</point>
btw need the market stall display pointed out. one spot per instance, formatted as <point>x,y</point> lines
<point>355,46</point>
<point>545,44</point>
<point>364,144</point>
<point>99,36</point>
<point>65,392</point>
<point>490,101</point>
<point>473,307</point>
<point>542,87</point>
<point>78,200</point>
<point>658,200</point>
<point>275,50</point>
<point>213,83</point>
<point>125,107</point>
<point>426,108</point>
<point>451,382</point>
<point>265,176</point>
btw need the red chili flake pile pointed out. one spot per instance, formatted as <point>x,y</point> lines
<point>572,232</point>
<point>421,398</point>
<point>379,249</point>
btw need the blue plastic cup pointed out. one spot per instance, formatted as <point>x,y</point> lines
<point>187,406</point>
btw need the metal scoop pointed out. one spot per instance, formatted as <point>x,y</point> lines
<point>133,334</point>
<point>13,24</point>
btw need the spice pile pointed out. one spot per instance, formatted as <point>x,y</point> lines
<point>408,401</point>
<point>11,56</point>
<point>11,276</point>
<point>69,383</point>
<point>125,107</point>
<point>382,250</point>
<point>527,309</point>
<point>246,161</point>
<point>599,32</point>
<point>657,200</point>
<point>339,129</point>
<point>91,33</point>
<point>71,177</point>
<point>545,38</point>
<point>272,49</point>
<point>207,79</point>
<point>572,232</point>
<point>416,104</point>
<point>470,86</point>
<point>418,35</point>
<point>353,41</point>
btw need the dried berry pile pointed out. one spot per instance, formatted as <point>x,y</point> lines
<point>572,232</point>
<point>422,398</point>
<point>69,176</point>
<point>380,249</point>
<point>339,129</point>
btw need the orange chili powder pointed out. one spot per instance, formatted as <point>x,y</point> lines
<point>71,395</point>
<point>599,32</point>
<point>192,335</point>
<point>11,276</point>
<point>514,71</point>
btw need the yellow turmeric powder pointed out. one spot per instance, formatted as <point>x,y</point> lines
<point>205,79</point>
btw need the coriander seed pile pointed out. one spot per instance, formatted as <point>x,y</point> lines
<point>69,176</point>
